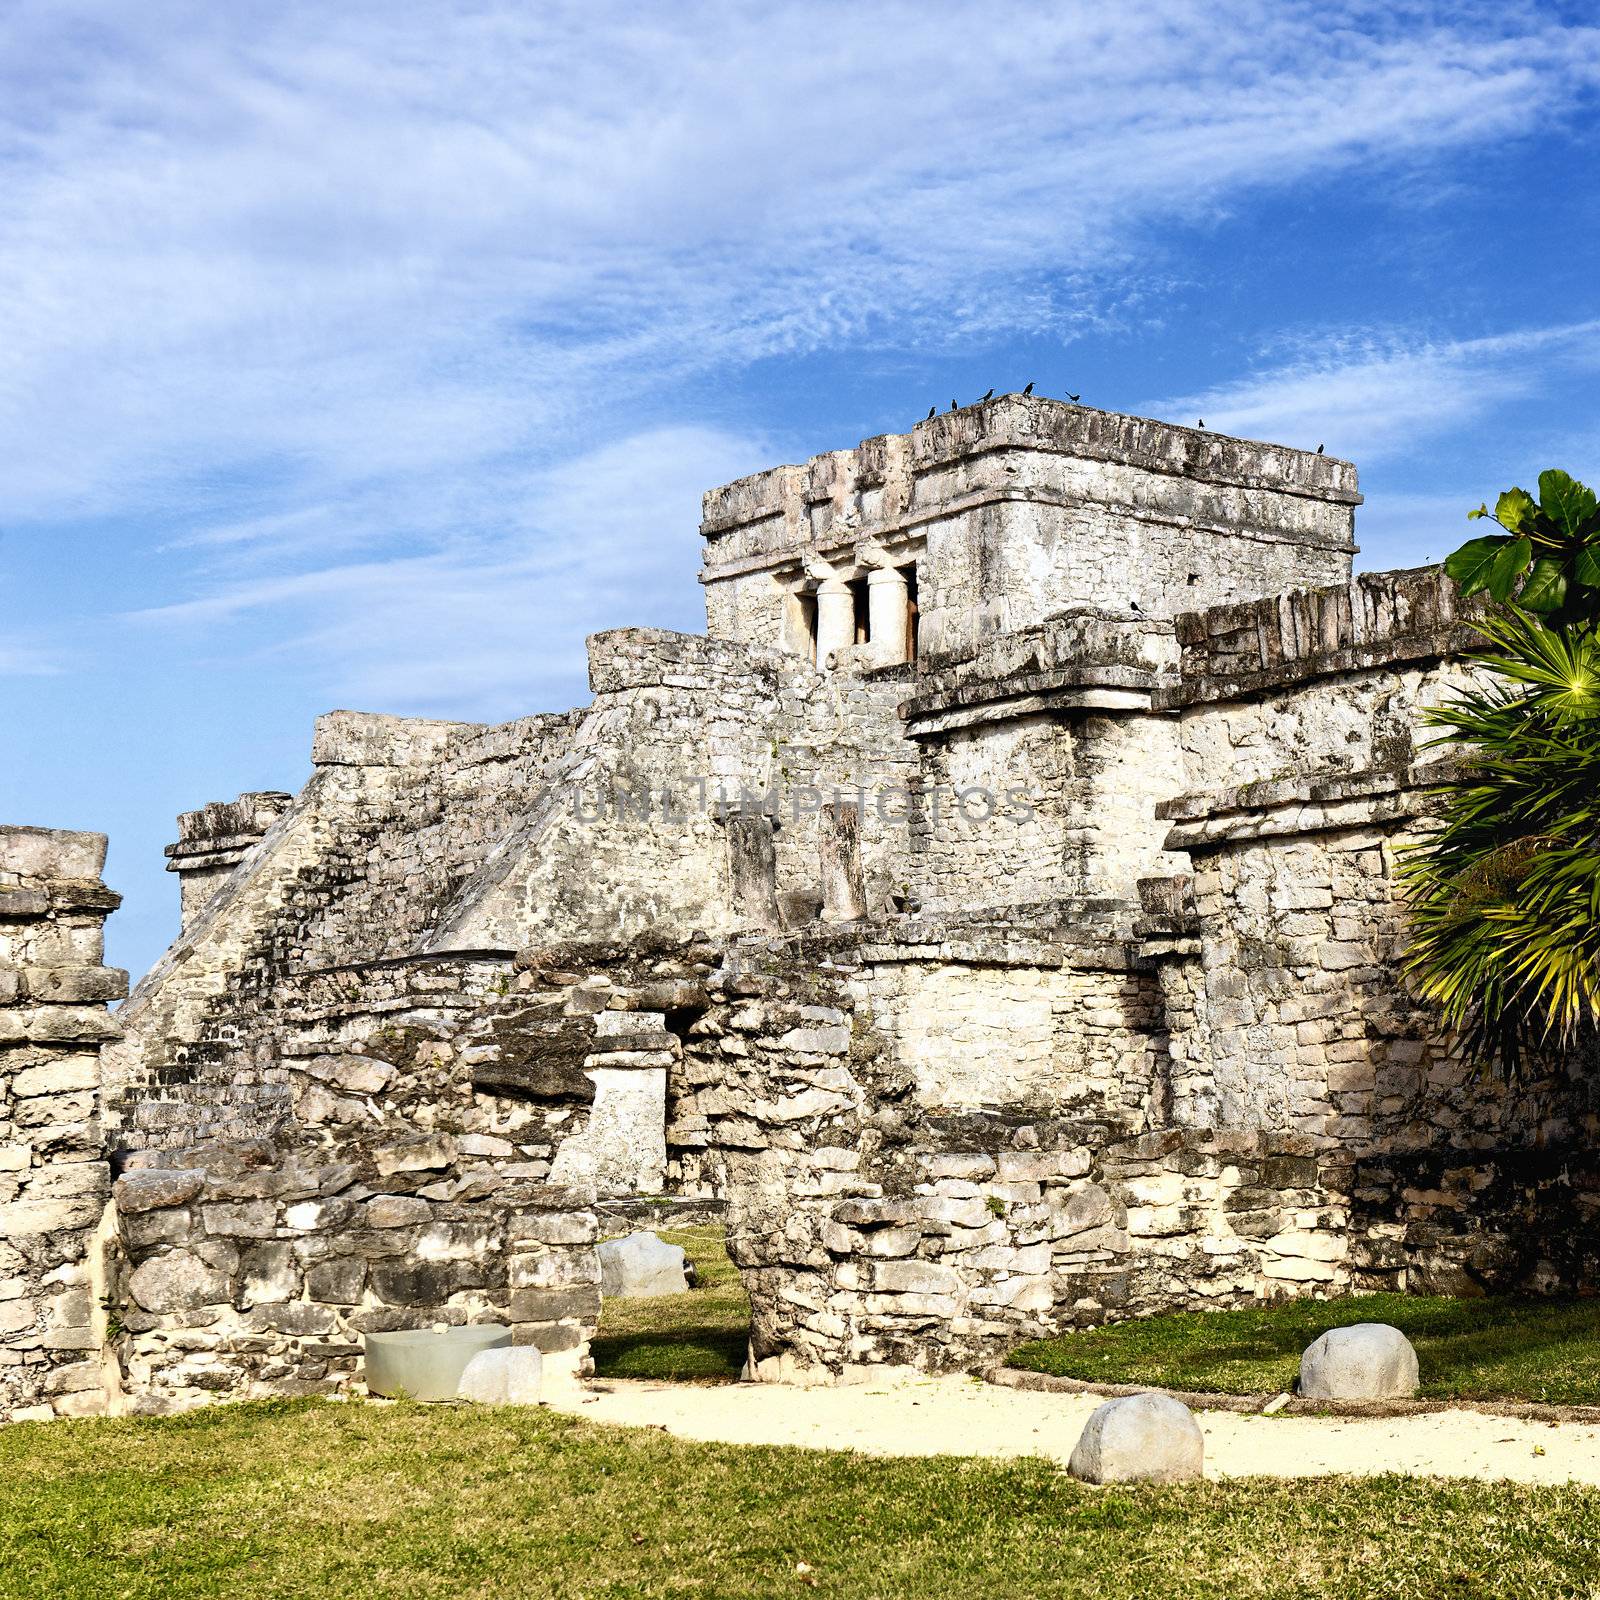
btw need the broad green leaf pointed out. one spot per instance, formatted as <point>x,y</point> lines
<point>1470,565</point>
<point>1565,501</point>
<point>1508,566</point>
<point>1586,569</point>
<point>1514,508</point>
<point>1546,587</point>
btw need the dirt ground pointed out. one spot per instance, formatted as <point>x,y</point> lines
<point>965,1416</point>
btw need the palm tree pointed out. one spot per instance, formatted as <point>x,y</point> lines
<point>1504,895</point>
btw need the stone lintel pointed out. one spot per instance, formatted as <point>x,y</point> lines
<point>1063,690</point>
<point>1316,804</point>
<point>1016,422</point>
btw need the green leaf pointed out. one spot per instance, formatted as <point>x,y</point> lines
<point>1566,502</point>
<point>1546,587</point>
<point>1482,511</point>
<point>1508,566</point>
<point>1586,569</point>
<point>1470,565</point>
<point>1515,508</point>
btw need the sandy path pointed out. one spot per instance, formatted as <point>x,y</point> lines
<point>962,1416</point>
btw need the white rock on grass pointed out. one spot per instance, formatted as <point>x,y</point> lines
<point>1367,1361</point>
<point>640,1265</point>
<point>505,1377</point>
<point>1139,1438</point>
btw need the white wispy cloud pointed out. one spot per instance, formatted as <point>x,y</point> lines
<point>21,660</point>
<point>343,287</point>
<point>489,623</point>
<point>1370,397</point>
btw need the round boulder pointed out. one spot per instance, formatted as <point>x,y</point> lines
<point>1139,1438</point>
<point>508,1377</point>
<point>640,1265</point>
<point>1366,1361</point>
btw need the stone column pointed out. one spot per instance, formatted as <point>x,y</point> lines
<point>839,843</point>
<point>753,865</point>
<point>54,1178</point>
<point>888,616</point>
<point>836,618</point>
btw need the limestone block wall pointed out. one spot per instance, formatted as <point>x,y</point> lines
<point>53,1175</point>
<point>1042,763</point>
<point>1308,777</point>
<point>682,729</point>
<point>251,1269</point>
<point>1281,954</point>
<point>884,1208</point>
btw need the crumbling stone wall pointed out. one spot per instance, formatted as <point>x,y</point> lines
<point>53,1175</point>
<point>726,933</point>
<point>883,1215</point>
<point>441,848</point>
<point>1281,957</point>
<point>251,1269</point>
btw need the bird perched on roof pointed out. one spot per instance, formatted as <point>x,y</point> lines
<point>1073,398</point>
<point>1028,390</point>
<point>987,395</point>
<point>1201,423</point>
<point>932,410</point>
<point>1319,449</point>
<point>954,406</point>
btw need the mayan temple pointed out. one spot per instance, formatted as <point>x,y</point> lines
<point>993,916</point>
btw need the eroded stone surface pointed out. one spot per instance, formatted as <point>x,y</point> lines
<point>504,1377</point>
<point>1365,1361</point>
<point>1139,1438</point>
<point>640,1265</point>
<point>1050,976</point>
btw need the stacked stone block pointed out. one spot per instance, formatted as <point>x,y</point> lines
<point>54,1179</point>
<point>253,1269</point>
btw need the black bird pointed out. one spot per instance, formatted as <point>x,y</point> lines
<point>1073,398</point>
<point>954,406</point>
<point>1028,390</point>
<point>989,395</point>
<point>1319,449</point>
<point>1133,606</point>
<point>1201,423</point>
<point>931,411</point>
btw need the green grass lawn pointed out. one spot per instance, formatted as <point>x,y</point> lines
<point>365,1502</point>
<point>699,1336</point>
<point>1490,1349</point>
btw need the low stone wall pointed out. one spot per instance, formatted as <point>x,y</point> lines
<point>53,1176</point>
<point>250,1269</point>
<point>883,1213</point>
<point>1463,1222</point>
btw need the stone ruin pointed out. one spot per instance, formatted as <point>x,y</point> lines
<point>994,915</point>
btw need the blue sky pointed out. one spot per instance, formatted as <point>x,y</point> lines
<point>372,355</point>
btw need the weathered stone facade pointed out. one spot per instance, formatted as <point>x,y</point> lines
<point>54,1178</point>
<point>996,911</point>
